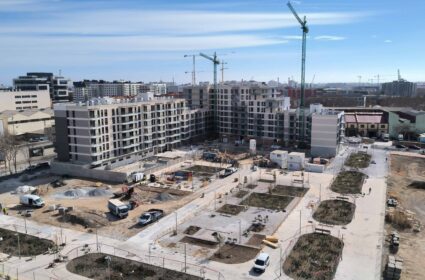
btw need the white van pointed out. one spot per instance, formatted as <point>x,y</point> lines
<point>262,262</point>
<point>31,200</point>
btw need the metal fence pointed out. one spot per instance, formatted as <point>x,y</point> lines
<point>161,263</point>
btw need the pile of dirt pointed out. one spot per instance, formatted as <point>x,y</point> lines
<point>417,185</point>
<point>84,192</point>
<point>97,266</point>
<point>87,219</point>
<point>162,197</point>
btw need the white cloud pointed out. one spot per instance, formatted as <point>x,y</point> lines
<point>166,22</point>
<point>388,41</point>
<point>329,38</point>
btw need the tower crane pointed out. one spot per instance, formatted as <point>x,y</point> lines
<point>215,62</point>
<point>222,70</point>
<point>304,28</point>
<point>193,68</point>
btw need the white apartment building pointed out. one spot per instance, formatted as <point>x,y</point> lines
<point>158,88</point>
<point>113,132</point>
<point>327,128</point>
<point>86,90</point>
<point>23,100</point>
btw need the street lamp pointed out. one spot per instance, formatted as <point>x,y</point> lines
<point>19,245</point>
<point>108,261</point>
<point>240,231</point>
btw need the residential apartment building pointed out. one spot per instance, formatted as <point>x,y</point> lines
<point>158,88</point>
<point>58,86</point>
<point>327,130</point>
<point>86,90</point>
<point>399,88</point>
<point>112,132</point>
<point>25,99</point>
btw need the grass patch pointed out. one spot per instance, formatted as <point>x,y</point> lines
<point>358,160</point>
<point>204,169</point>
<point>241,193</point>
<point>230,209</point>
<point>289,191</point>
<point>191,230</point>
<point>335,212</point>
<point>269,201</point>
<point>348,182</point>
<point>95,266</point>
<point>29,245</point>
<point>315,256</point>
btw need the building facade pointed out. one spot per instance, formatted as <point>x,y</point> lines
<point>32,121</point>
<point>25,99</point>
<point>106,132</point>
<point>327,130</point>
<point>399,88</point>
<point>58,86</point>
<point>86,90</point>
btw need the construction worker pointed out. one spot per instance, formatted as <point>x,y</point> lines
<point>370,190</point>
<point>5,210</point>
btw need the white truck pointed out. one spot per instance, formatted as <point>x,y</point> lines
<point>118,208</point>
<point>31,200</point>
<point>137,177</point>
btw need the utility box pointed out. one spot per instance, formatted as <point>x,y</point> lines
<point>280,158</point>
<point>253,146</point>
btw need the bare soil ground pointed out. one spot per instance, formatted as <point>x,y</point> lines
<point>29,245</point>
<point>405,170</point>
<point>256,240</point>
<point>204,169</point>
<point>335,212</point>
<point>95,266</point>
<point>200,242</point>
<point>289,191</point>
<point>314,256</point>
<point>234,254</point>
<point>231,209</point>
<point>358,160</point>
<point>264,200</point>
<point>348,182</point>
<point>91,212</point>
<point>192,230</point>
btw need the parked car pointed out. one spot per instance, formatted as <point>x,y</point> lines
<point>228,171</point>
<point>151,216</point>
<point>261,263</point>
<point>392,202</point>
<point>400,146</point>
<point>414,147</point>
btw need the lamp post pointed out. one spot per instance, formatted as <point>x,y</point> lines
<point>108,261</point>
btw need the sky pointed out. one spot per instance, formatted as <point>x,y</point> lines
<point>146,41</point>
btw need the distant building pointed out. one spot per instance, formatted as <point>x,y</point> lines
<point>31,121</point>
<point>25,99</point>
<point>158,88</point>
<point>86,90</point>
<point>58,86</point>
<point>366,124</point>
<point>399,88</point>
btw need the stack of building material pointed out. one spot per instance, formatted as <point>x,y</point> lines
<point>296,161</point>
<point>393,268</point>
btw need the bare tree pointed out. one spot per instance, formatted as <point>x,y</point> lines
<point>10,148</point>
<point>405,129</point>
<point>5,151</point>
<point>26,153</point>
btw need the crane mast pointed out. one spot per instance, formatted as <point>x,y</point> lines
<point>304,28</point>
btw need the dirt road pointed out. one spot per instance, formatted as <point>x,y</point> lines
<point>406,169</point>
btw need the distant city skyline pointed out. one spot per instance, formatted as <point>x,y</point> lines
<point>260,40</point>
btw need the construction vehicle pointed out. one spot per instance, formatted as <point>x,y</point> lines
<point>151,216</point>
<point>31,200</point>
<point>118,208</point>
<point>228,171</point>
